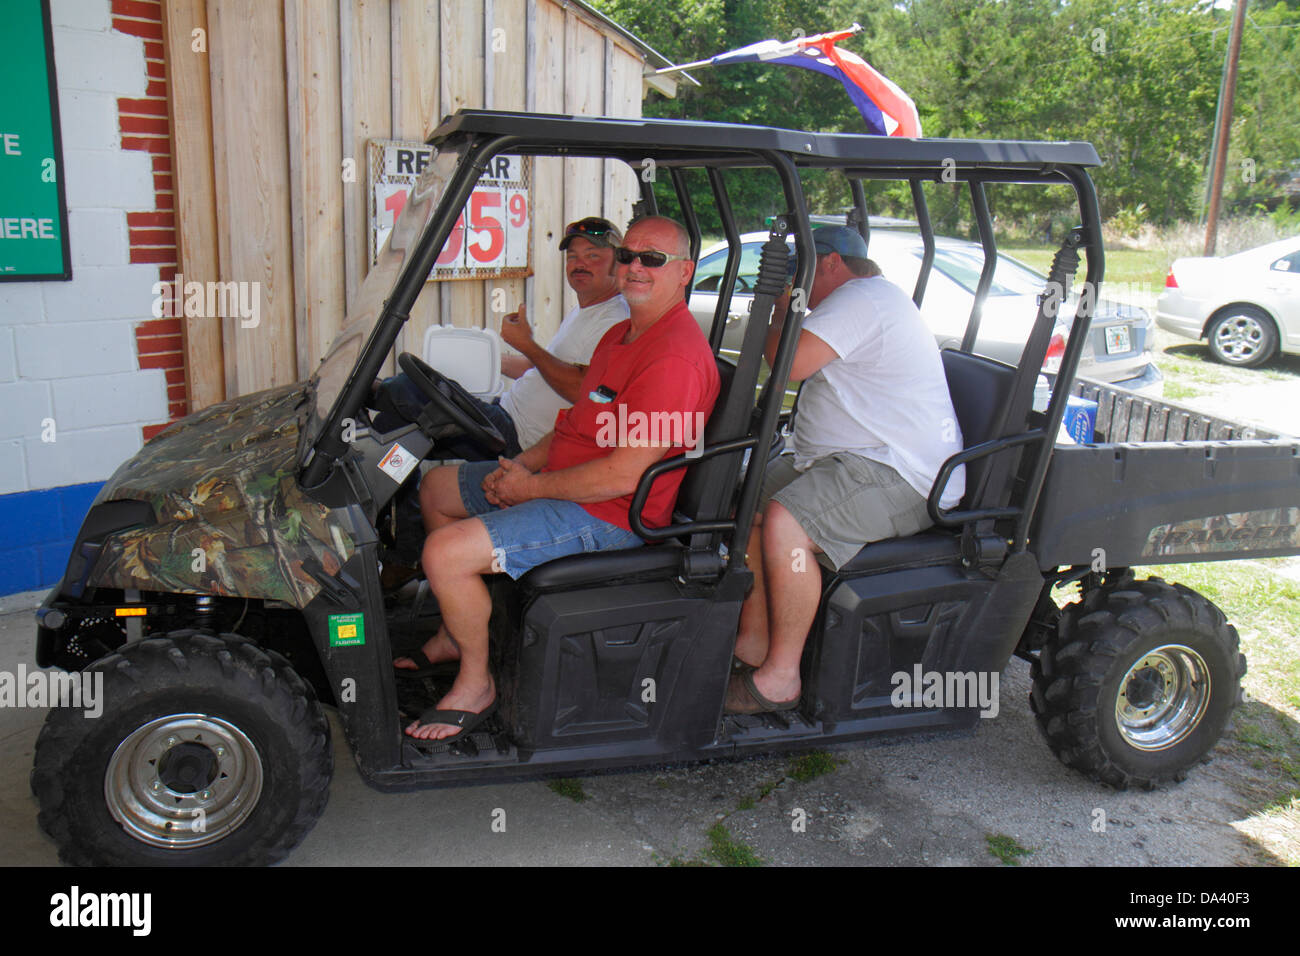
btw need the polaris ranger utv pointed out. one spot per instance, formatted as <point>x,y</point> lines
<point>226,581</point>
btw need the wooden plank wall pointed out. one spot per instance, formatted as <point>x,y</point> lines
<point>196,208</point>
<point>251,161</point>
<point>266,192</point>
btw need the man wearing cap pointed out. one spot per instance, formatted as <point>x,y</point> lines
<point>546,381</point>
<point>874,425</point>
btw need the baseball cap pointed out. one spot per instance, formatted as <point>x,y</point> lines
<point>841,239</point>
<point>597,231</point>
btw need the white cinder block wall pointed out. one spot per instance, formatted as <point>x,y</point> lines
<point>67,349</point>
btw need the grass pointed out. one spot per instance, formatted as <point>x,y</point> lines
<point>1144,268</point>
<point>568,787</point>
<point>812,765</point>
<point>725,850</point>
<point>1264,606</point>
<point>1176,391</point>
<point>1006,848</point>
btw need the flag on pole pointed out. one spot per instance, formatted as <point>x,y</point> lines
<point>888,111</point>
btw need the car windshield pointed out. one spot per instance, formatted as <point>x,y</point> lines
<point>341,358</point>
<point>708,275</point>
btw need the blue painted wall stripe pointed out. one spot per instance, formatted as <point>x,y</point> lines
<point>37,529</point>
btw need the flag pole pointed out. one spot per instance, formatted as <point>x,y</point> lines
<point>833,36</point>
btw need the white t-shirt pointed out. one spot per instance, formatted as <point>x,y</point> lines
<point>530,402</point>
<point>886,396</point>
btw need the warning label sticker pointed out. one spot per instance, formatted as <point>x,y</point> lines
<point>397,464</point>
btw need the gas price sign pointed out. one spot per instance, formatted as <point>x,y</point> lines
<point>490,238</point>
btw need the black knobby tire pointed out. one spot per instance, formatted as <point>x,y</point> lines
<point>1243,336</point>
<point>1105,662</point>
<point>199,711</point>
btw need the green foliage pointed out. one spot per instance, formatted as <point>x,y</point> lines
<point>1128,221</point>
<point>568,787</point>
<point>726,850</point>
<point>1138,79</point>
<point>810,766</point>
<point>1006,848</point>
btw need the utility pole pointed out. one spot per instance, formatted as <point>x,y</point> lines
<point>1225,127</point>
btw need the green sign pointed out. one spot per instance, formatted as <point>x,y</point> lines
<point>33,213</point>
<point>347,629</point>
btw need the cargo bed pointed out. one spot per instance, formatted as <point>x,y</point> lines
<point>1163,483</point>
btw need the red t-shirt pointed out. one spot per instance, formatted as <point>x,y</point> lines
<point>656,390</point>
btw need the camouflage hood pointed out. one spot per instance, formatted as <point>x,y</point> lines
<point>231,519</point>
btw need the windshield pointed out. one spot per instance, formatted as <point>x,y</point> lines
<point>416,214</point>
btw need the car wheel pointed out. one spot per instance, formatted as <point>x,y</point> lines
<point>208,750</point>
<point>1138,682</point>
<point>1242,335</point>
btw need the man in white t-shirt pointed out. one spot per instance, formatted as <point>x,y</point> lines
<point>546,381</point>
<point>874,425</point>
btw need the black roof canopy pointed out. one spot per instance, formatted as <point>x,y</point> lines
<point>692,143</point>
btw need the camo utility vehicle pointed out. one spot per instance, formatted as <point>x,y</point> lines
<point>227,580</point>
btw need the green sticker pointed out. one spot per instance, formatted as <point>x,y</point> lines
<point>347,629</point>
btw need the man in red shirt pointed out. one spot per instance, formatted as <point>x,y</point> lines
<point>649,388</point>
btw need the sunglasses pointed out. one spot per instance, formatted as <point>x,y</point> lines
<point>651,258</point>
<point>590,227</point>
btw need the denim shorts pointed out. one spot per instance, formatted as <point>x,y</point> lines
<point>526,535</point>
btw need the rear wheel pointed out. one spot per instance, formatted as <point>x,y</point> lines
<point>1242,335</point>
<point>208,750</point>
<point>1138,682</point>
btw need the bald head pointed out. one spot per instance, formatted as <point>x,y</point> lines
<point>680,242</point>
<point>651,291</point>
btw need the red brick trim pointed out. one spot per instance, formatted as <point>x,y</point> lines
<point>144,126</point>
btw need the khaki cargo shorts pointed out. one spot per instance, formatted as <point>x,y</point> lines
<point>845,501</point>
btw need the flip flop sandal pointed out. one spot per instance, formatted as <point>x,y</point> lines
<point>737,665</point>
<point>426,667</point>
<point>467,720</point>
<point>744,698</point>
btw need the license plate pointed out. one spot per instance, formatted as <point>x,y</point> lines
<point>1118,339</point>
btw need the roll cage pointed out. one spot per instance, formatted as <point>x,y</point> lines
<point>678,147</point>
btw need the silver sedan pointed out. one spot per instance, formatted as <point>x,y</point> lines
<point>1118,350</point>
<point>1246,305</point>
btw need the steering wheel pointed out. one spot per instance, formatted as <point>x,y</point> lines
<point>450,396</point>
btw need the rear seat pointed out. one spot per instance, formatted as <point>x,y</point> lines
<point>979,388</point>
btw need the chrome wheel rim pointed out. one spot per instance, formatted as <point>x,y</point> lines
<point>183,781</point>
<point>1162,697</point>
<point>1239,338</point>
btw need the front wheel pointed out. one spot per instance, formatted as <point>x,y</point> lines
<point>208,750</point>
<point>1137,684</point>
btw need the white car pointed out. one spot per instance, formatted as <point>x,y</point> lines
<point>1247,305</point>
<point>1118,350</point>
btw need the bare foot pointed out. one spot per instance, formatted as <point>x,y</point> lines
<point>438,648</point>
<point>472,698</point>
